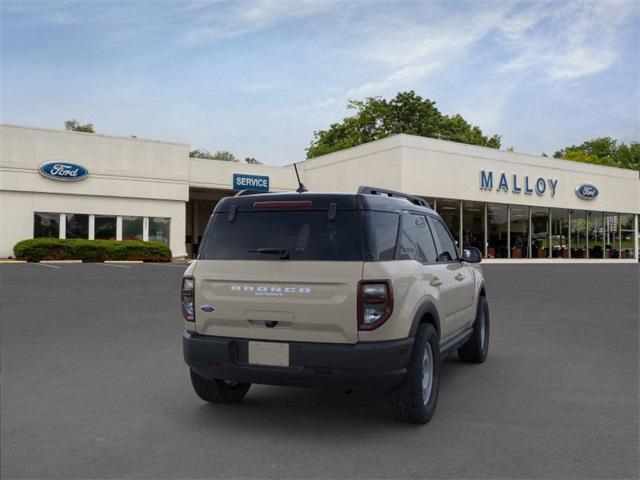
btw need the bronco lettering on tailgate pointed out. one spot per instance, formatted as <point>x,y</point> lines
<point>271,291</point>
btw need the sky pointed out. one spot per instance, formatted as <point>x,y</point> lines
<point>258,77</point>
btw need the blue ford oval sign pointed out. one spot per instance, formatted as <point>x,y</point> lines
<point>586,191</point>
<point>63,171</point>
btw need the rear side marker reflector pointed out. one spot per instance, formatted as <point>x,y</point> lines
<point>284,204</point>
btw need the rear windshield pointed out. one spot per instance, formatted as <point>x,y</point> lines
<point>303,235</point>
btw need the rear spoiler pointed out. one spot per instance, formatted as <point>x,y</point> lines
<point>364,190</point>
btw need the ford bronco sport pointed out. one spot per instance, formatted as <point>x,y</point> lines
<point>361,291</point>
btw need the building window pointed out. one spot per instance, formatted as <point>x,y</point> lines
<point>105,227</point>
<point>132,228</point>
<point>46,225</point>
<point>626,236</point>
<point>77,226</point>
<point>559,233</point>
<point>159,229</point>
<point>519,232</point>
<point>611,235</point>
<point>596,235</point>
<point>540,232</point>
<point>449,210</point>
<point>578,234</point>
<point>497,230</point>
<point>473,225</point>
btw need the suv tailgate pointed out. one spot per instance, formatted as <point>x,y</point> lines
<point>310,301</point>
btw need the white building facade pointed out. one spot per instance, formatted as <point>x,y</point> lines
<point>513,207</point>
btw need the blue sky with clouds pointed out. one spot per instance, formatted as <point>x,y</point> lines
<point>258,77</point>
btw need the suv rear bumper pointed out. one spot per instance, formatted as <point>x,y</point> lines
<point>370,366</point>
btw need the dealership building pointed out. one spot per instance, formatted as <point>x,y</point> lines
<point>514,207</point>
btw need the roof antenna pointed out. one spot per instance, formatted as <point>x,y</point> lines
<point>301,188</point>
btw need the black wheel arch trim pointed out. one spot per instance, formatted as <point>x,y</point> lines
<point>427,308</point>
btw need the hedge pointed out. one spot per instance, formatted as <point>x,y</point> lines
<point>36,249</point>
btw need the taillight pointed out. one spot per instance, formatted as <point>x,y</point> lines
<point>375,303</point>
<point>187,300</point>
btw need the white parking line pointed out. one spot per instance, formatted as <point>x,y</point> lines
<point>113,265</point>
<point>46,265</point>
<point>182,265</point>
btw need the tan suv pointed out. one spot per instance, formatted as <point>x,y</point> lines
<point>361,291</point>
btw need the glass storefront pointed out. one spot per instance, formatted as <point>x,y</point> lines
<point>595,226</point>
<point>626,236</point>
<point>449,210</point>
<point>519,233</point>
<point>159,229</point>
<point>578,234</point>
<point>497,231</point>
<point>611,235</point>
<point>46,225</point>
<point>540,247</point>
<point>473,225</point>
<point>101,227</point>
<point>132,228</point>
<point>77,226</point>
<point>105,227</point>
<point>559,233</point>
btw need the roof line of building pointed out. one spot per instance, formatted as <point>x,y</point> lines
<point>477,152</point>
<point>118,137</point>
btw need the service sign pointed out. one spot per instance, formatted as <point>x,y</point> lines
<point>586,191</point>
<point>63,171</point>
<point>258,183</point>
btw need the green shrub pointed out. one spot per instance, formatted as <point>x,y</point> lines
<point>36,249</point>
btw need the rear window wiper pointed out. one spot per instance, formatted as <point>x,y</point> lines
<point>283,252</point>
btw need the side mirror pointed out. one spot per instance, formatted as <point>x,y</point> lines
<point>471,255</point>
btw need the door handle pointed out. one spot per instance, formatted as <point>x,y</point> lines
<point>436,282</point>
<point>459,277</point>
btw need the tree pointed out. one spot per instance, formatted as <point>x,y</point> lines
<point>252,161</point>
<point>219,155</point>
<point>75,126</point>
<point>377,118</point>
<point>201,153</point>
<point>604,151</point>
<point>224,156</point>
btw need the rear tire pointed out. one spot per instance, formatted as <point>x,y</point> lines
<point>476,348</point>
<point>218,391</point>
<point>415,400</point>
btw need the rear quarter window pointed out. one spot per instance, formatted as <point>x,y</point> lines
<point>381,234</point>
<point>306,235</point>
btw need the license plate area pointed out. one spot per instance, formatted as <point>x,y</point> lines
<point>269,353</point>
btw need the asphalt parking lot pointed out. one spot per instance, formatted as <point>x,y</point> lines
<point>94,386</point>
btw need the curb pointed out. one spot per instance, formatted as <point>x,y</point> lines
<point>3,261</point>
<point>60,261</point>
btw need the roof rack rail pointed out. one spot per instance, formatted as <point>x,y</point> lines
<point>392,193</point>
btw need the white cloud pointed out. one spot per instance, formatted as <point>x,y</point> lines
<point>246,17</point>
<point>405,77</point>
<point>564,41</point>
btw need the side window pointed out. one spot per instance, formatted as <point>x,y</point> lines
<point>380,233</point>
<point>415,240</point>
<point>448,251</point>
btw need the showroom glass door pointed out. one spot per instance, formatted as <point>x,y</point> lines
<point>559,233</point>
<point>540,247</point>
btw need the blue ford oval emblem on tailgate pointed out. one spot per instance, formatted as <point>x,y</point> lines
<point>63,171</point>
<point>586,191</point>
<point>207,308</point>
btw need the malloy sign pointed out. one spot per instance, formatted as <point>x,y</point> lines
<point>518,183</point>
